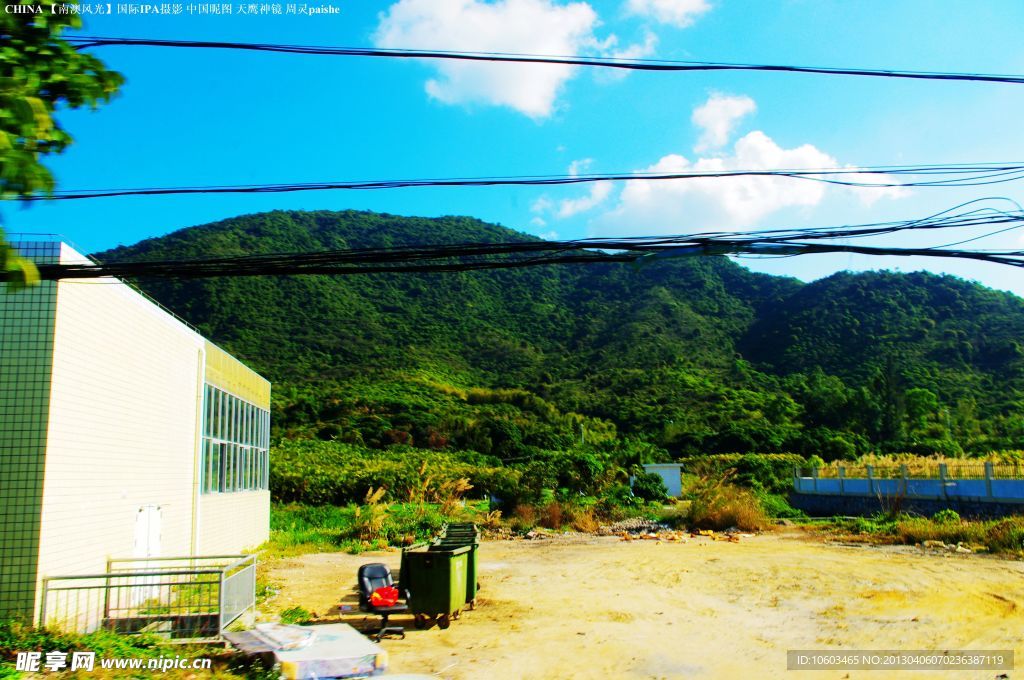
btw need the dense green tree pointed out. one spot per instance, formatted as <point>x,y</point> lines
<point>693,356</point>
<point>39,73</point>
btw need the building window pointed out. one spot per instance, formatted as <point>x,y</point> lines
<point>236,444</point>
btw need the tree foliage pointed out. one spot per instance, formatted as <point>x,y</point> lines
<point>683,358</point>
<point>39,73</point>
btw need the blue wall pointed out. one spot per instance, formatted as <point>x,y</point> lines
<point>826,505</point>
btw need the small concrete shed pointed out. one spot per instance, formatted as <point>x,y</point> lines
<point>671,474</point>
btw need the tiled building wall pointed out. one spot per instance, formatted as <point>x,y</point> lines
<point>232,522</point>
<point>101,407</point>
<point>123,431</point>
<point>26,343</point>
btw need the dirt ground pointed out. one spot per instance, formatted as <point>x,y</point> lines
<point>595,607</point>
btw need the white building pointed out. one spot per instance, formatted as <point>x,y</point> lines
<point>123,433</point>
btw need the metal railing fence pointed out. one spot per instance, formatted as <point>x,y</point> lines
<point>181,598</point>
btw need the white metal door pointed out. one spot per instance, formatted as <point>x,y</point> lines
<point>146,544</point>
<point>147,532</point>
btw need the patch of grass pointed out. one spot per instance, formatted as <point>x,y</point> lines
<point>722,506</point>
<point>915,530</point>
<point>295,615</point>
<point>998,536</point>
<point>299,529</point>
<point>1006,535</point>
<point>15,637</point>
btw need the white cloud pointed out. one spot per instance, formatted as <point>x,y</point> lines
<point>729,203</point>
<point>598,194</point>
<point>579,166</point>
<point>599,191</point>
<point>542,204</point>
<point>717,203</point>
<point>718,117</point>
<point>723,204</point>
<point>680,13</point>
<point>523,26</point>
<point>638,50</point>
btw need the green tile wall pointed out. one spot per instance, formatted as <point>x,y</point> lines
<point>26,357</point>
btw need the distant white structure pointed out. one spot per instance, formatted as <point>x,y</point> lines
<point>671,474</point>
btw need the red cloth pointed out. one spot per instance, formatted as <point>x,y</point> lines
<point>385,596</point>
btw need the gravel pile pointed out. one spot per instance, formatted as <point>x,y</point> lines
<point>635,525</point>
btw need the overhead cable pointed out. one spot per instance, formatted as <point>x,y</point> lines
<point>90,42</point>
<point>529,253</point>
<point>937,175</point>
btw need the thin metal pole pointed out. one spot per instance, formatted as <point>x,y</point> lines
<point>42,606</point>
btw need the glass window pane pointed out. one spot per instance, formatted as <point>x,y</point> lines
<point>210,472</point>
<point>219,432</point>
<point>222,465</point>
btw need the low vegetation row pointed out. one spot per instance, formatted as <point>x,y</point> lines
<point>340,496</point>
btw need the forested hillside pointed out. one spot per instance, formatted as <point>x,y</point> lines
<point>692,355</point>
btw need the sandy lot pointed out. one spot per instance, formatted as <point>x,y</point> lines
<point>590,607</point>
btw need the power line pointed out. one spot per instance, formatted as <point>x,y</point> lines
<point>89,42</point>
<point>461,257</point>
<point>934,176</point>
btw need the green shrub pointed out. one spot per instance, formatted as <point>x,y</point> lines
<point>769,472</point>
<point>776,505</point>
<point>649,486</point>
<point>946,516</point>
<point>337,473</point>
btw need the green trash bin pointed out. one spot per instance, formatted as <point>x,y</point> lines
<point>460,529</point>
<point>472,562</point>
<point>436,583</point>
<point>401,584</point>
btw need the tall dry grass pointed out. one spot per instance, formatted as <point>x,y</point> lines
<point>720,506</point>
<point>369,519</point>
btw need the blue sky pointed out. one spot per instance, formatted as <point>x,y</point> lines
<point>191,117</point>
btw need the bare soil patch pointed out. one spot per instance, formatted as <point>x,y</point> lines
<point>600,607</point>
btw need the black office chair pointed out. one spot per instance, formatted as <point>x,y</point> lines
<point>369,578</point>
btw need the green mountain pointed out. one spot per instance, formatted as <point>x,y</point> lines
<point>695,355</point>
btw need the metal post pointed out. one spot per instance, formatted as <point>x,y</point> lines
<point>988,478</point>
<point>220,598</point>
<point>814,478</point>
<point>106,595</point>
<point>903,474</point>
<point>943,476</point>
<point>253,567</point>
<point>842,480</point>
<point>42,604</point>
<point>871,479</point>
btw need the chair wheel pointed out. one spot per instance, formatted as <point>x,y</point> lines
<point>472,605</point>
<point>420,621</point>
<point>443,621</point>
